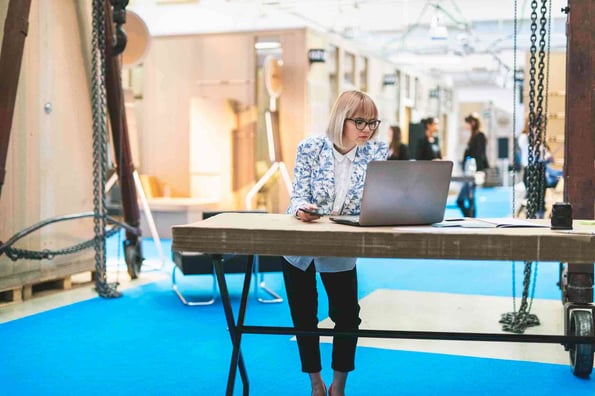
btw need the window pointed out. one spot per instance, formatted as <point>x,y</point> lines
<point>363,73</point>
<point>349,69</point>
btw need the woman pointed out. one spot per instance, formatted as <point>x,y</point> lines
<point>329,177</point>
<point>476,149</point>
<point>397,150</point>
<point>428,147</point>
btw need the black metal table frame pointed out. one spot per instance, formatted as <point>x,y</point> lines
<point>237,328</point>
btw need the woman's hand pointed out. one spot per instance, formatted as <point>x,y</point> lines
<point>309,212</point>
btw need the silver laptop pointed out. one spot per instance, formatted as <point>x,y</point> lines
<point>402,193</point>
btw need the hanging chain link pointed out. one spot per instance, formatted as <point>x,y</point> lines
<point>547,65</point>
<point>537,116</point>
<point>46,254</point>
<point>515,143</point>
<point>518,321</point>
<point>541,118</point>
<point>98,102</point>
<point>531,132</point>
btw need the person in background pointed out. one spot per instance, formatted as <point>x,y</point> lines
<point>523,146</point>
<point>474,157</point>
<point>552,174</point>
<point>329,177</point>
<point>428,147</point>
<point>397,149</point>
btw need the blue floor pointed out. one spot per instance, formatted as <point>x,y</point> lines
<point>148,342</point>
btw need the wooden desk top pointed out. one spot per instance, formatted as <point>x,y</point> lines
<point>280,234</point>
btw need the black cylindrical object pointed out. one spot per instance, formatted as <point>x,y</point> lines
<point>562,216</point>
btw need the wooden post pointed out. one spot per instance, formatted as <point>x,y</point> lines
<point>579,158</point>
<point>119,124</point>
<point>16,28</point>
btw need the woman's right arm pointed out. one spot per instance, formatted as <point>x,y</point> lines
<point>301,194</point>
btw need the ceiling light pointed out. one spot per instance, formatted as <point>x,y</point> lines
<point>437,30</point>
<point>176,1</point>
<point>264,45</point>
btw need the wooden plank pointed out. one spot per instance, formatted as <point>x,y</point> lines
<point>278,234</point>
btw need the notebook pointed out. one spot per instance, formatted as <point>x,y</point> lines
<point>505,222</point>
<point>402,193</point>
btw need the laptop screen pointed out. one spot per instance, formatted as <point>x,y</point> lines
<point>405,192</point>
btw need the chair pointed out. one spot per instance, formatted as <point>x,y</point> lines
<point>201,264</point>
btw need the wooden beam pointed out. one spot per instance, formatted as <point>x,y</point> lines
<point>16,27</point>
<point>579,164</point>
<point>119,124</point>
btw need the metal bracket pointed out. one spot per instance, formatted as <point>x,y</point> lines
<point>259,285</point>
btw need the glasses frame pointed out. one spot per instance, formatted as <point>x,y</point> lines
<point>366,123</point>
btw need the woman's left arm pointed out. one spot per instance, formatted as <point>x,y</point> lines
<point>381,151</point>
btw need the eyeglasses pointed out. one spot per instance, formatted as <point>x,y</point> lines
<point>360,123</point>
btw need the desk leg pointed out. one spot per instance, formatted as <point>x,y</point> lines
<point>235,333</point>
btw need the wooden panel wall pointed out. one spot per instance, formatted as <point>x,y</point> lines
<point>177,69</point>
<point>555,99</point>
<point>215,67</point>
<point>49,167</point>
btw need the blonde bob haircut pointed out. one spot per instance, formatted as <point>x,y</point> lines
<point>349,104</point>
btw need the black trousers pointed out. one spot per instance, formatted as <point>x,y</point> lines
<point>302,295</point>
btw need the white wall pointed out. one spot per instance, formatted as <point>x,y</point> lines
<point>500,97</point>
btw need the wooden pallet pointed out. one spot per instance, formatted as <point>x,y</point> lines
<point>47,286</point>
<point>11,295</point>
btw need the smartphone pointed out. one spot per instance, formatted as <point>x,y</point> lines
<point>315,212</point>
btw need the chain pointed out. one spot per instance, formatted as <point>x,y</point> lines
<point>533,288</point>
<point>16,254</point>
<point>541,117</point>
<point>513,286</point>
<point>518,321</point>
<point>99,149</point>
<point>547,73</point>
<point>531,191</point>
<point>515,143</point>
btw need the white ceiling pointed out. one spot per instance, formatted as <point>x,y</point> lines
<point>477,51</point>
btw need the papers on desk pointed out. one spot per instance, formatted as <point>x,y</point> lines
<point>504,222</point>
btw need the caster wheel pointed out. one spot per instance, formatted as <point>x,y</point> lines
<point>134,258</point>
<point>581,355</point>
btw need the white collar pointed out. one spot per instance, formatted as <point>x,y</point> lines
<point>350,155</point>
